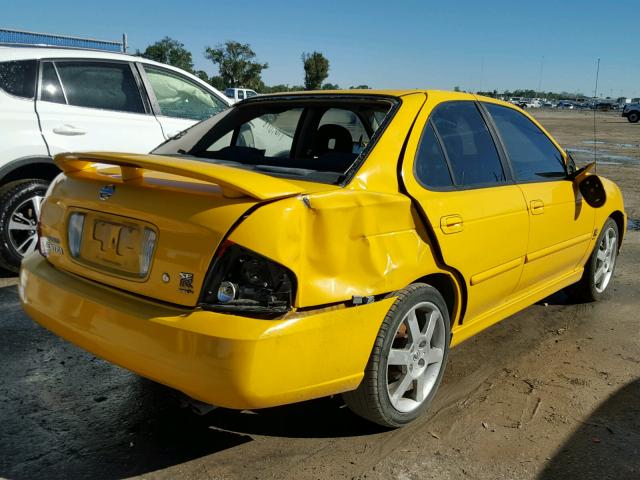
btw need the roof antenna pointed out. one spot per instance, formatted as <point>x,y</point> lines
<point>595,108</point>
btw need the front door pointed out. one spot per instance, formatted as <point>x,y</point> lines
<point>561,222</point>
<point>179,102</point>
<point>453,170</point>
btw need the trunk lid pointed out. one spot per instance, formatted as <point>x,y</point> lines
<point>149,224</point>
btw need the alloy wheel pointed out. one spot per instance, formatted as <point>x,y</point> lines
<point>416,357</point>
<point>23,223</point>
<point>605,260</point>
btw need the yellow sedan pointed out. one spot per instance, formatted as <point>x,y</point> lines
<point>304,245</point>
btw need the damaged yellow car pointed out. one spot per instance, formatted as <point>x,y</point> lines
<point>304,245</point>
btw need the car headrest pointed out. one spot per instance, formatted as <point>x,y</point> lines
<point>332,138</point>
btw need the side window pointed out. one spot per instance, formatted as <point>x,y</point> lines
<point>430,164</point>
<point>251,93</point>
<point>468,144</point>
<point>104,85</point>
<point>240,94</point>
<point>533,156</point>
<point>50,88</point>
<point>18,78</point>
<point>178,97</point>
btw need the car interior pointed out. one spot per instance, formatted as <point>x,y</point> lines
<point>321,139</point>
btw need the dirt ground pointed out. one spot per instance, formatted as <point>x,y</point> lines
<point>551,393</point>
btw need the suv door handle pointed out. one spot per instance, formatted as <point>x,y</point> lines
<point>537,207</point>
<point>451,224</point>
<point>68,130</point>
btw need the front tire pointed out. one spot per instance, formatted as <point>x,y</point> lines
<point>19,214</point>
<point>599,269</point>
<point>407,361</point>
<point>633,117</point>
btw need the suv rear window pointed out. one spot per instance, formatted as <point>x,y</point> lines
<point>19,78</point>
<point>314,139</point>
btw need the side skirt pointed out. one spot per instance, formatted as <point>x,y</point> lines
<point>474,326</point>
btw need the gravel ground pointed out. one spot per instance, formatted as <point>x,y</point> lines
<point>551,393</point>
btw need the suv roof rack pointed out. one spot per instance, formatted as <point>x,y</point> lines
<point>24,38</point>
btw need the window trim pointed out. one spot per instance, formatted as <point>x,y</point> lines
<point>506,153</point>
<point>41,66</point>
<point>433,188</point>
<point>509,178</point>
<point>155,105</point>
<point>53,60</point>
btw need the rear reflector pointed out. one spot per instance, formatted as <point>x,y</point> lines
<point>75,228</point>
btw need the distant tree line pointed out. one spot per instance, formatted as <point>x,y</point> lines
<point>237,66</point>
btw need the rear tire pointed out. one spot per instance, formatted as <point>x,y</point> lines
<point>599,269</point>
<point>407,361</point>
<point>633,117</point>
<point>19,214</point>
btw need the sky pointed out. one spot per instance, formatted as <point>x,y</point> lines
<point>549,45</point>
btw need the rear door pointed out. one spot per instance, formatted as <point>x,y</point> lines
<point>178,101</point>
<point>561,223</point>
<point>94,105</point>
<point>455,172</point>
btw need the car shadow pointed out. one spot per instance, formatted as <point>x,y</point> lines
<point>606,445</point>
<point>326,417</point>
<point>6,273</point>
<point>66,414</point>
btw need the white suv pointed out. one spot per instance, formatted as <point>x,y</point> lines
<point>54,100</point>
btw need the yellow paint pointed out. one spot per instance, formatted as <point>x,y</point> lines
<point>502,249</point>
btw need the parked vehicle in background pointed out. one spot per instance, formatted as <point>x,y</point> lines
<point>566,104</point>
<point>56,100</point>
<point>238,94</point>
<point>631,112</point>
<point>518,102</point>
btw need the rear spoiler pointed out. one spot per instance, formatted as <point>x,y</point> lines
<point>234,182</point>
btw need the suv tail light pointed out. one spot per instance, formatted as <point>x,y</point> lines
<point>243,281</point>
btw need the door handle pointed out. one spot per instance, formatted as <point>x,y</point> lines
<point>537,207</point>
<point>68,130</point>
<point>451,224</point>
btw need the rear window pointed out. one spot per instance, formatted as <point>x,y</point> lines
<point>18,78</point>
<point>319,140</point>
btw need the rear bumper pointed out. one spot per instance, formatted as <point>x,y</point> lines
<point>226,360</point>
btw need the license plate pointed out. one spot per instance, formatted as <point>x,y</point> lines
<point>116,245</point>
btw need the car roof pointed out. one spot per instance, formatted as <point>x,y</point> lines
<point>12,53</point>
<point>8,52</point>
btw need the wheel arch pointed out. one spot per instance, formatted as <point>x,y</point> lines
<point>41,167</point>
<point>619,217</point>
<point>452,291</point>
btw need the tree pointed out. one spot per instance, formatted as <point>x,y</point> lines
<point>360,87</point>
<point>171,52</point>
<point>236,64</point>
<point>330,86</point>
<point>316,70</point>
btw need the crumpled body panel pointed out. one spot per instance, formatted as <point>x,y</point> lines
<point>341,244</point>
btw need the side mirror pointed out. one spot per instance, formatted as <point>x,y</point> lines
<point>590,186</point>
